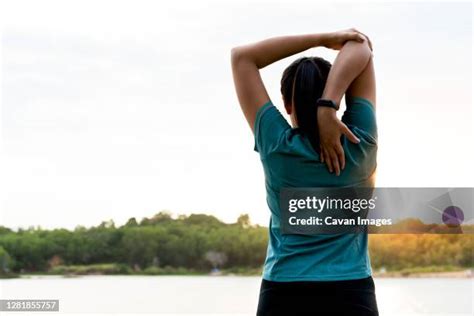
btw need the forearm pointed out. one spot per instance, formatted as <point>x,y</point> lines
<point>268,51</point>
<point>349,63</point>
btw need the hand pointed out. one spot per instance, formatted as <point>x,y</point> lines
<point>330,131</point>
<point>336,40</point>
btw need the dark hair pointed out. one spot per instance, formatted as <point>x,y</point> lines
<point>302,84</point>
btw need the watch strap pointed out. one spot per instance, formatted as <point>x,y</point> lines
<point>327,103</point>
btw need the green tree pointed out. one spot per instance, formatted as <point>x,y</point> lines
<point>5,261</point>
<point>244,221</point>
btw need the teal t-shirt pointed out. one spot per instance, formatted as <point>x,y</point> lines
<point>289,160</point>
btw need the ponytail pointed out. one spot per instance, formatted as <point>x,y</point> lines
<point>302,85</point>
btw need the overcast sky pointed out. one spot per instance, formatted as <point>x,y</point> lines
<point>112,110</point>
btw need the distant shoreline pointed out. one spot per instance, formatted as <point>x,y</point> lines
<point>459,274</point>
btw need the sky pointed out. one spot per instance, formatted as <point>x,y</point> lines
<point>119,109</point>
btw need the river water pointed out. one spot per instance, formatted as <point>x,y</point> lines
<point>226,295</point>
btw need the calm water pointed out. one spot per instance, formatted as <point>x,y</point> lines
<point>221,295</point>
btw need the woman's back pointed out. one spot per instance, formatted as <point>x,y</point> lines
<point>290,161</point>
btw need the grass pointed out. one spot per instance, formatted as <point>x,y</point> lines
<point>103,268</point>
<point>8,275</point>
<point>122,269</point>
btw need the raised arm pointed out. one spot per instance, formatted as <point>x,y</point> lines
<point>351,61</point>
<point>352,74</point>
<point>248,59</point>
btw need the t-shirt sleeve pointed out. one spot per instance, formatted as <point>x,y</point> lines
<point>360,114</point>
<point>269,128</point>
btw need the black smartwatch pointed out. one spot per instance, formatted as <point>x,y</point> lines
<point>327,103</point>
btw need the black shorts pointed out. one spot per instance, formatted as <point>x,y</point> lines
<point>351,297</point>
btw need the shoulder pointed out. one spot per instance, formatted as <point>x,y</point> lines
<point>269,128</point>
<point>360,117</point>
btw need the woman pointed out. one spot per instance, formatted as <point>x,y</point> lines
<point>323,274</point>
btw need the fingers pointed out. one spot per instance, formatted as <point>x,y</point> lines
<point>328,161</point>
<point>340,156</point>
<point>334,159</point>
<point>368,40</point>
<point>355,36</point>
<point>363,36</point>
<point>350,136</point>
<point>370,44</point>
<point>335,162</point>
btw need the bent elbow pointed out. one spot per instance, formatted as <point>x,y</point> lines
<point>235,54</point>
<point>364,50</point>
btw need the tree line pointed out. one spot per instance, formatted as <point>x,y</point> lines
<point>199,242</point>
